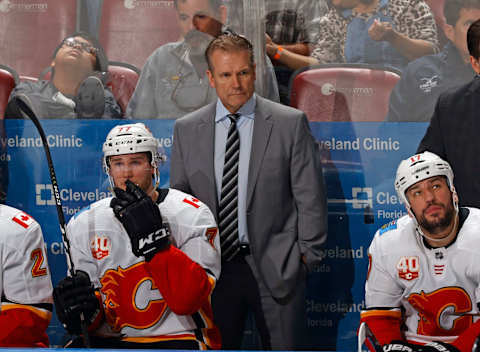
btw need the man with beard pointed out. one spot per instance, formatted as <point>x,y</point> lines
<point>174,80</point>
<point>423,283</point>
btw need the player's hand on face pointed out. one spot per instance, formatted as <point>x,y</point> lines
<point>142,220</point>
<point>72,296</point>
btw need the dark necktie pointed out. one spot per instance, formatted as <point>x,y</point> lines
<point>228,208</point>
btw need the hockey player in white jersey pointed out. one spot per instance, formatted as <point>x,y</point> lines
<point>147,260</point>
<point>423,281</point>
<point>25,283</point>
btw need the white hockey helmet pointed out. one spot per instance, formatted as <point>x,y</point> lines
<point>418,168</point>
<point>130,139</point>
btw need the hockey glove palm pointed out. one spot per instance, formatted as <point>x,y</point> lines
<point>141,219</point>
<point>74,295</point>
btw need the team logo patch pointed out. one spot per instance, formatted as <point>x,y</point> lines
<point>441,311</point>
<point>131,298</point>
<point>211,233</point>
<point>392,225</point>
<point>23,219</point>
<point>100,246</point>
<point>408,268</point>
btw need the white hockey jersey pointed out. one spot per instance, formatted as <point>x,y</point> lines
<point>101,247</point>
<point>25,282</point>
<point>435,286</point>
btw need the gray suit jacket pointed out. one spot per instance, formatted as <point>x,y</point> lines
<point>286,199</point>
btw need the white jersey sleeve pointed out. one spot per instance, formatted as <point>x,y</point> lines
<point>193,229</point>
<point>24,275</point>
<point>381,289</point>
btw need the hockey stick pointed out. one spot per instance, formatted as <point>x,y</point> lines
<point>364,333</point>
<point>23,103</point>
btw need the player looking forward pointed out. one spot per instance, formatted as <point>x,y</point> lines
<point>147,260</point>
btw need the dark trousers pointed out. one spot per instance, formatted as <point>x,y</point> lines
<point>235,294</point>
<point>281,323</point>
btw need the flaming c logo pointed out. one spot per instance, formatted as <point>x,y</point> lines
<point>132,299</point>
<point>439,311</point>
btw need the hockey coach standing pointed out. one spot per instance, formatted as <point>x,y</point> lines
<point>255,163</point>
<point>424,271</point>
<point>147,260</point>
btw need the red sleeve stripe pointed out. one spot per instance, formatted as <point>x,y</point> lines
<point>392,313</point>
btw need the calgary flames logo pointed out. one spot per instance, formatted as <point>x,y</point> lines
<point>440,311</point>
<point>132,299</point>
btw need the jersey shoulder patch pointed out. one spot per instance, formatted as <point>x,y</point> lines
<point>81,211</point>
<point>23,219</point>
<point>392,225</point>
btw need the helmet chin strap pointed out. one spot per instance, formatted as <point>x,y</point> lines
<point>436,239</point>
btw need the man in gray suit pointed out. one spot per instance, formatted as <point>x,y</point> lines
<point>256,165</point>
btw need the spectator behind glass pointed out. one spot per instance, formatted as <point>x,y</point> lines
<point>384,32</point>
<point>75,89</point>
<point>174,80</point>
<point>423,80</point>
<point>290,24</point>
<point>453,130</point>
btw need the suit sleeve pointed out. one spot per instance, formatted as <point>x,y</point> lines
<point>309,192</point>
<point>433,141</point>
<point>178,176</point>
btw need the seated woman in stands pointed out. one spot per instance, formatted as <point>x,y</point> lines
<point>385,32</point>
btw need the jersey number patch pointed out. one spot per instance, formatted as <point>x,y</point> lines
<point>408,268</point>
<point>37,257</point>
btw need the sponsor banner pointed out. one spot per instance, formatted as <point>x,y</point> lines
<point>359,163</point>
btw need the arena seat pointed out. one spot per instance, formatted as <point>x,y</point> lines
<point>437,8</point>
<point>122,80</point>
<point>8,80</point>
<point>31,30</point>
<point>343,92</point>
<point>131,30</point>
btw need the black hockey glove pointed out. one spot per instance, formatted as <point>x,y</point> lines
<point>74,295</point>
<point>141,219</point>
<point>409,347</point>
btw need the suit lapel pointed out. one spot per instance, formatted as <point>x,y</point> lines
<point>205,145</point>
<point>261,135</point>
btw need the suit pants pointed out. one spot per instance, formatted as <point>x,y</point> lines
<point>281,323</point>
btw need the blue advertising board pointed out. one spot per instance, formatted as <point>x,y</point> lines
<point>359,164</point>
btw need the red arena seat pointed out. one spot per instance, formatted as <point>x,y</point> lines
<point>30,30</point>
<point>122,81</point>
<point>8,80</point>
<point>131,30</point>
<point>344,92</point>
